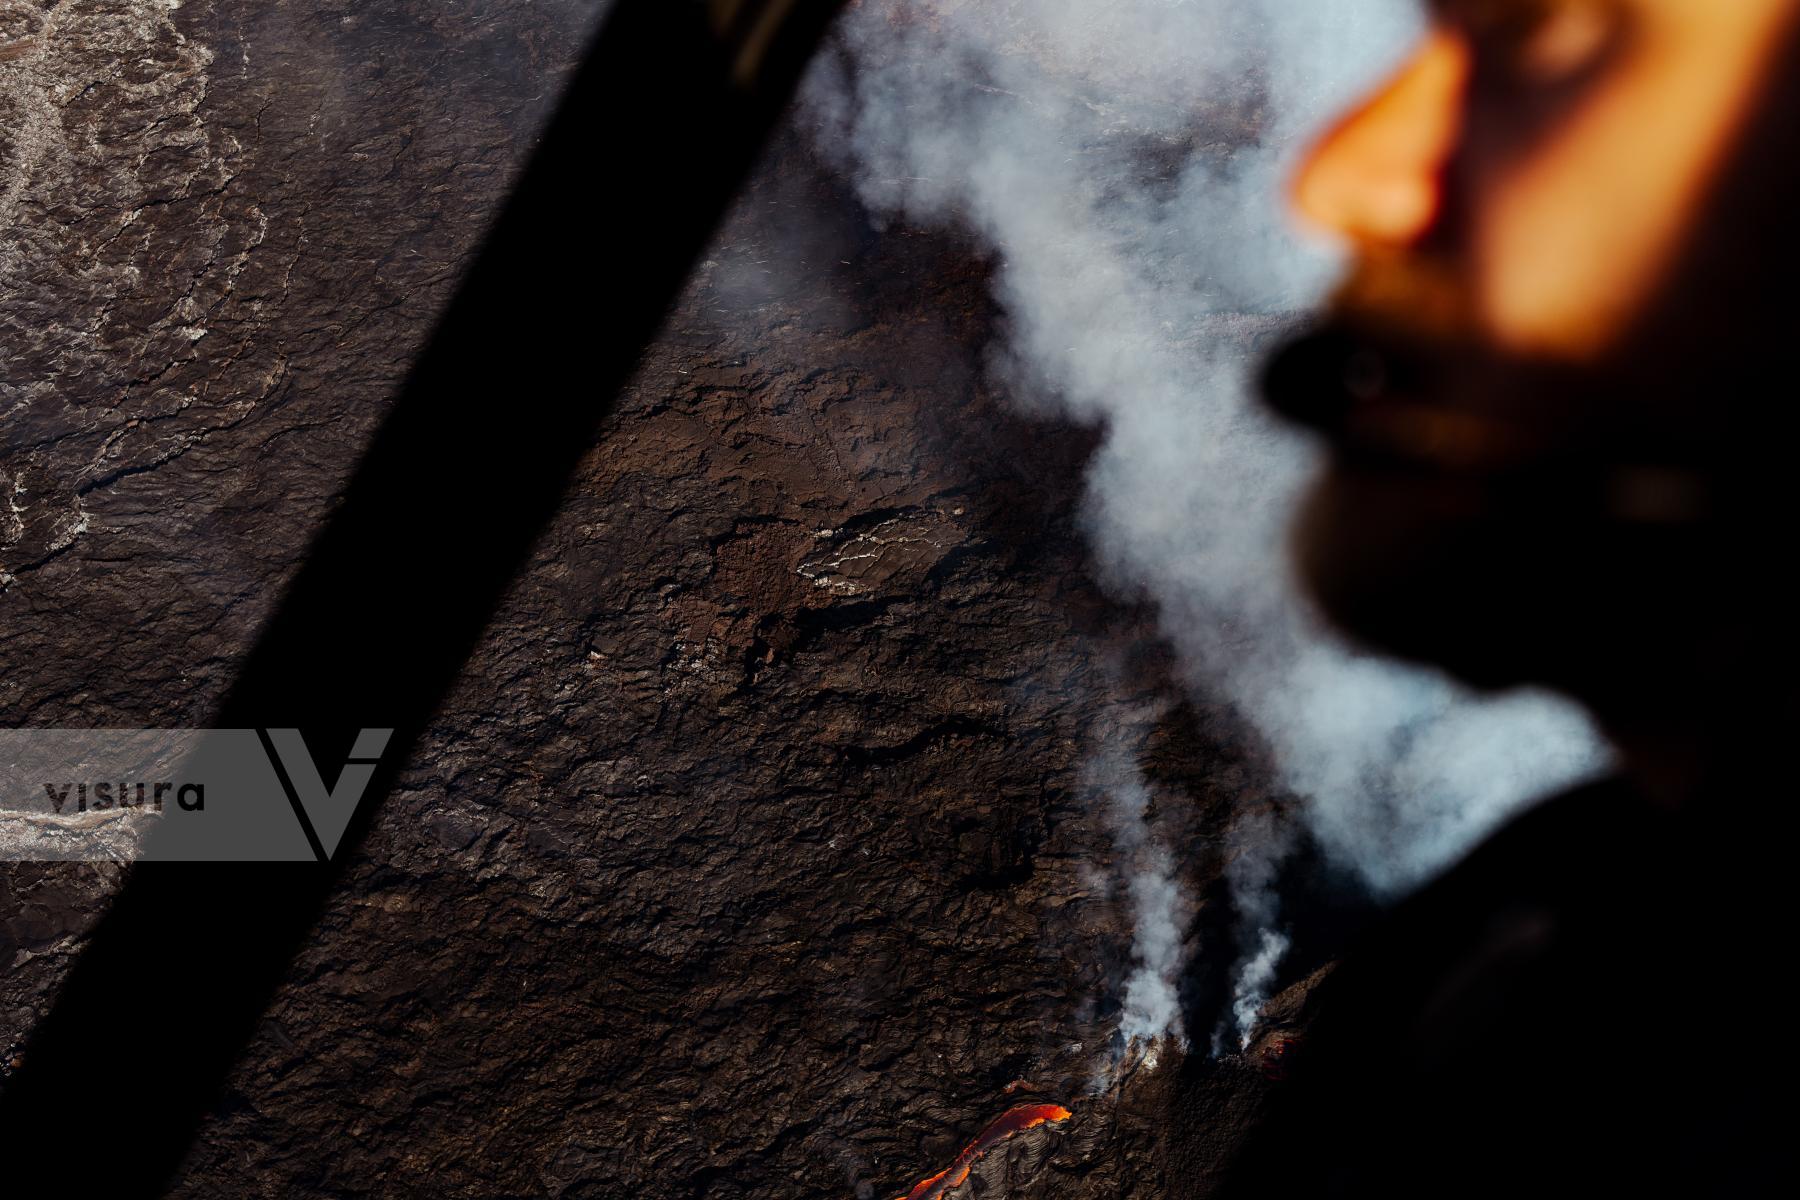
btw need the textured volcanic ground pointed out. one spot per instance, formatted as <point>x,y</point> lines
<point>752,857</point>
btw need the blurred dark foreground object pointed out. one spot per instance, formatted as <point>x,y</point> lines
<point>656,133</point>
<point>1592,1004</point>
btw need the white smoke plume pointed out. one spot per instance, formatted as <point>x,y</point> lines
<point>1124,161</point>
<point>1255,979</point>
<point>1159,907</point>
<point>1259,845</point>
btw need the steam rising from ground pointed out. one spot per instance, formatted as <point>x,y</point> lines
<point>1258,847</point>
<point>1152,1001</point>
<point>1124,158</point>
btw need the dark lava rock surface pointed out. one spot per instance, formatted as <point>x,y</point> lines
<point>757,853</point>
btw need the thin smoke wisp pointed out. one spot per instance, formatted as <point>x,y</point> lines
<point>1159,907</point>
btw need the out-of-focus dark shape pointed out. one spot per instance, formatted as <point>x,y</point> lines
<point>1556,457</point>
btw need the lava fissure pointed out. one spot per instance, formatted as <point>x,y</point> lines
<point>1006,1127</point>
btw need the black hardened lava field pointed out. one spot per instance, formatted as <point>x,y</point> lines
<point>753,853</point>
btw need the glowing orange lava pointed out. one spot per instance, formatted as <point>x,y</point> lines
<point>1016,1121</point>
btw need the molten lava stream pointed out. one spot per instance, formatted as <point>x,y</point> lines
<point>1015,1122</point>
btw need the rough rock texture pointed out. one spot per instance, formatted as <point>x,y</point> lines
<point>756,854</point>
